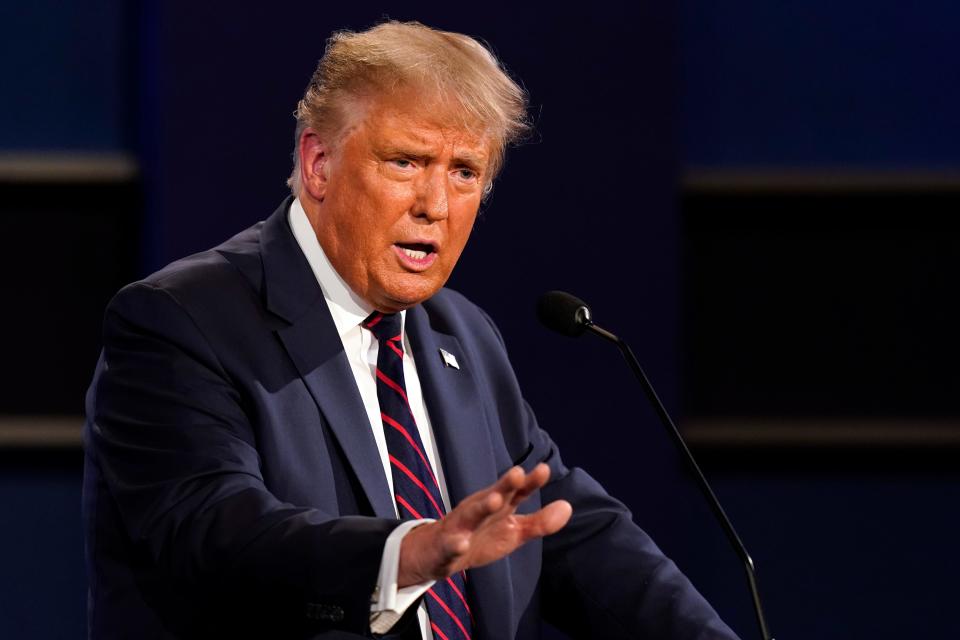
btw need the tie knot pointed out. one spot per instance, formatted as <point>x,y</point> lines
<point>385,326</point>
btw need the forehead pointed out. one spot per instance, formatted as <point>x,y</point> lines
<point>404,122</point>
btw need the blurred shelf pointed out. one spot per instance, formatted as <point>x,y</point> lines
<point>826,432</point>
<point>40,432</point>
<point>66,167</point>
<point>841,445</point>
<point>747,180</point>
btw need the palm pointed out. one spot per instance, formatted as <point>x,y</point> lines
<point>482,529</point>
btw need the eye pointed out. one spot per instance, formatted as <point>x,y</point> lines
<point>466,174</point>
<point>402,163</point>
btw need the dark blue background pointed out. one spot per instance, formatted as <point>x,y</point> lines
<point>625,96</point>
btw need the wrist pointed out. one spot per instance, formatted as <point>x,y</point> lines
<point>415,551</point>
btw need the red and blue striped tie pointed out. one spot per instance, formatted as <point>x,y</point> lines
<point>415,486</point>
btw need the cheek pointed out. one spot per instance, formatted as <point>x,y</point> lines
<point>456,242</point>
<point>382,209</point>
<point>462,225</point>
<point>368,222</point>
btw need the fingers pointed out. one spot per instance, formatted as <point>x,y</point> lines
<point>485,527</point>
<point>511,481</point>
<point>515,486</point>
<point>533,481</point>
<point>501,498</point>
<point>472,511</point>
<point>547,520</point>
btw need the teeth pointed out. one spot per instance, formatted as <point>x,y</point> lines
<point>416,255</point>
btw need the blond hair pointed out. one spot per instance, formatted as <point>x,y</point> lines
<point>392,56</point>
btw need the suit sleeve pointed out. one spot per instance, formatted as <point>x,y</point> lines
<point>174,443</point>
<point>602,576</point>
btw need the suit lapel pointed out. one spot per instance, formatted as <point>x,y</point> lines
<point>315,347</point>
<point>461,427</point>
<point>311,339</point>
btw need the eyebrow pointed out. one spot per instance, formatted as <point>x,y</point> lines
<point>472,160</point>
<point>415,150</point>
<point>407,146</point>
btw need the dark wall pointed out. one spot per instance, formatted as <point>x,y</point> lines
<point>820,83</point>
<point>820,149</point>
<point>66,69</point>
<point>67,72</point>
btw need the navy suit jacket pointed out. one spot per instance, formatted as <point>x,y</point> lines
<point>233,487</point>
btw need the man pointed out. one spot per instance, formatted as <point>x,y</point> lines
<point>300,433</point>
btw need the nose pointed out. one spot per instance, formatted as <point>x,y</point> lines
<point>432,195</point>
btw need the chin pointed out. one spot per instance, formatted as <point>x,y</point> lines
<point>400,298</point>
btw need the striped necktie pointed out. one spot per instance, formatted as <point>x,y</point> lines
<point>415,486</point>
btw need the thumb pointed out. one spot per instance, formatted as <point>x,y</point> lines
<point>548,520</point>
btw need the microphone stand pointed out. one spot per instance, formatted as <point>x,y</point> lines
<point>584,319</point>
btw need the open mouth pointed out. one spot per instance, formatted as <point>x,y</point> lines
<point>416,250</point>
<point>416,254</point>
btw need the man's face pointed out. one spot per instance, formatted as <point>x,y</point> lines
<point>398,197</point>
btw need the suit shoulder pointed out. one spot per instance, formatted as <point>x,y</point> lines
<point>451,311</point>
<point>448,303</point>
<point>210,276</point>
<point>240,255</point>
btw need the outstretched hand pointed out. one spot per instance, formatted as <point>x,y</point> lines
<point>481,529</point>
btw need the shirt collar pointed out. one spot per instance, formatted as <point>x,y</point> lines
<point>347,308</point>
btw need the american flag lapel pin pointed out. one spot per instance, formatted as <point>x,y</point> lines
<point>449,359</point>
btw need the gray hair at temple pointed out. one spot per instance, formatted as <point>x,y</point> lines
<point>400,55</point>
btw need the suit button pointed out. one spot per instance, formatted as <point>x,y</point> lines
<point>324,612</point>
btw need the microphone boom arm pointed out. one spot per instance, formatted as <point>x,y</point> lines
<point>587,323</point>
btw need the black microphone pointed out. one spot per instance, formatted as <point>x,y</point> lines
<point>563,313</point>
<point>566,314</point>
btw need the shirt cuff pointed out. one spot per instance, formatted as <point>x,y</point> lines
<point>389,602</point>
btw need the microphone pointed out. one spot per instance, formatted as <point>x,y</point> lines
<point>570,316</point>
<point>564,313</point>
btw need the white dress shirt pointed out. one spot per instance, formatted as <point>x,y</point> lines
<point>348,310</point>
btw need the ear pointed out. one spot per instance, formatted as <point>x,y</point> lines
<point>314,164</point>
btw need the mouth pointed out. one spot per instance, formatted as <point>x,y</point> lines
<point>416,256</point>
